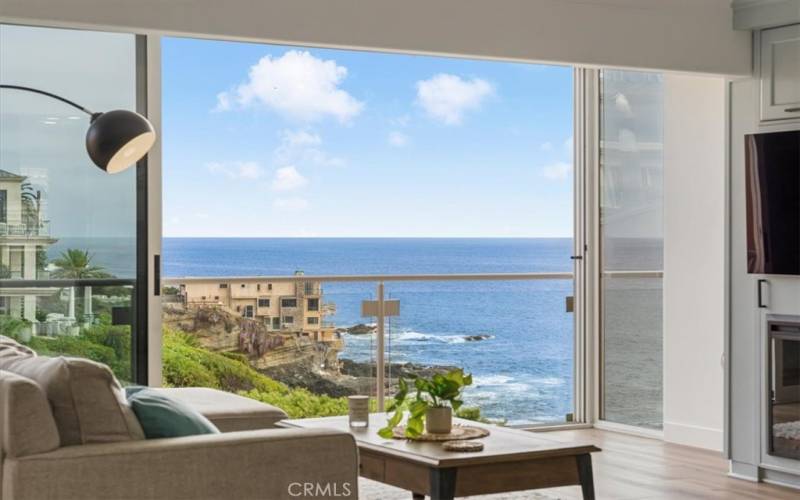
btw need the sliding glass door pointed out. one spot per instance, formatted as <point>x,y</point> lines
<point>68,231</point>
<point>631,234</point>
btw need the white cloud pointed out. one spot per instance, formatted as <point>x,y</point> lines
<point>300,138</point>
<point>398,139</point>
<point>296,85</point>
<point>557,171</point>
<point>623,105</point>
<point>302,146</point>
<point>400,121</point>
<point>237,170</point>
<point>223,102</point>
<point>546,146</point>
<point>290,204</point>
<point>447,97</point>
<point>288,179</point>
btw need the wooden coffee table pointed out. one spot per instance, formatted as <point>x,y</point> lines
<point>512,460</point>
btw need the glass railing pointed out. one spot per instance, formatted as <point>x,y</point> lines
<point>88,318</point>
<point>511,331</point>
<point>41,228</point>
<point>632,364</point>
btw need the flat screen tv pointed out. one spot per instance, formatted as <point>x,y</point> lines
<point>772,165</point>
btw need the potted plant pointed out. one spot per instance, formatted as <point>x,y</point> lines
<point>433,405</point>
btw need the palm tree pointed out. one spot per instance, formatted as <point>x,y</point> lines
<point>31,207</point>
<point>77,264</point>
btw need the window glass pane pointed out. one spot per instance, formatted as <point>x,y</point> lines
<point>281,160</point>
<point>632,240</point>
<point>62,218</point>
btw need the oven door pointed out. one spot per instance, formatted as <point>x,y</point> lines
<point>784,404</point>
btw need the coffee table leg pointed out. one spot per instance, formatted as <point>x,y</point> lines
<point>443,484</point>
<point>585,475</point>
<point>417,496</point>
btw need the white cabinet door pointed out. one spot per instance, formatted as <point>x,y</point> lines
<point>780,73</point>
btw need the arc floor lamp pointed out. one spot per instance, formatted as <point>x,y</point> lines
<point>115,139</point>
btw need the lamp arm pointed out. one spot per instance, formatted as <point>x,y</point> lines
<point>48,94</point>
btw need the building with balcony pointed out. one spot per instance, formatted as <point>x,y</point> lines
<point>24,238</point>
<point>282,306</point>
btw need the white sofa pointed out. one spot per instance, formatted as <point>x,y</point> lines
<point>66,433</point>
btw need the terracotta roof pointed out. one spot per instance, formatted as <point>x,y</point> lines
<point>4,174</point>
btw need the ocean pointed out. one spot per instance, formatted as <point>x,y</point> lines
<point>522,372</point>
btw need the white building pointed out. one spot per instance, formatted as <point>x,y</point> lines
<point>23,237</point>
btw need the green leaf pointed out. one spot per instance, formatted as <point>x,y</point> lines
<point>395,419</point>
<point>456,404</point>
<point>456,376</point>
<point>418,408</point>
<point>414,426</point>
<point>386,432</point>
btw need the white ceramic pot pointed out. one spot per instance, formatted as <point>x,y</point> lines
<point>439,420</point>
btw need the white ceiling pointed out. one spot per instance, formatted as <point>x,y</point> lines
<point>680,35</point>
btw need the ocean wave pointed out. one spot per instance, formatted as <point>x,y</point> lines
<point>491,380</point>
<point>413,337</point>
<point>410,336</point>
<point>503,383</point>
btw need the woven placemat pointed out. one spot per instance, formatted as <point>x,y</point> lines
<point>458,432</point>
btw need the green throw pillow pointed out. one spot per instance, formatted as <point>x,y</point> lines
<point>163,417</point>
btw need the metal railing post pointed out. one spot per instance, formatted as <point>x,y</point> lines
<point>379,361</point>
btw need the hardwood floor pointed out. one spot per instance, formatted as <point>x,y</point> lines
<point>636,468</point>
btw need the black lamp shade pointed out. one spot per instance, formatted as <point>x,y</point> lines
<point>118,139</point>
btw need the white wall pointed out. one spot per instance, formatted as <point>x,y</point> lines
<point>694,259</point>
<point>681,35</point>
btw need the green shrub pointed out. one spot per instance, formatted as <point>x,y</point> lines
<point>300,403</point>
<point>79,347</point>
<point>186,364</point>
<point>12,327</point>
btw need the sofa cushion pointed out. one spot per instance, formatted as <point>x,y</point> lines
<point>28,426</point>
<point>229,412</point>
<point>10,348</point>
<point>165,417</point>
<point>88,403</point>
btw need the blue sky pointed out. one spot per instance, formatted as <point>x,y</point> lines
<point>275,141</point>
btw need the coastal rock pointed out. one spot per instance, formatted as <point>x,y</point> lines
<point>359,329</point>
<point>299,375</point>
<point>393,370</point>
<point>476,338</point>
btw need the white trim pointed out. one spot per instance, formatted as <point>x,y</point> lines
<point>154,209</point>
<point>558,427</point>
<point>761,14</point>
<point>694,435</point>
<point>579,266</point>
<point>585,160</point>
<point>605,425</point>
<point>591,153</point>
<point>726,350</point>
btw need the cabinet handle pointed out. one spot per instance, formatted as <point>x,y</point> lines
<point>792,110</point>
<point>760,285</point>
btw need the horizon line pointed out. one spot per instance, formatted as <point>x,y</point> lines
<point>374,237</point>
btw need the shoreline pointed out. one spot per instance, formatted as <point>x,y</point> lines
<point>353,377</point>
